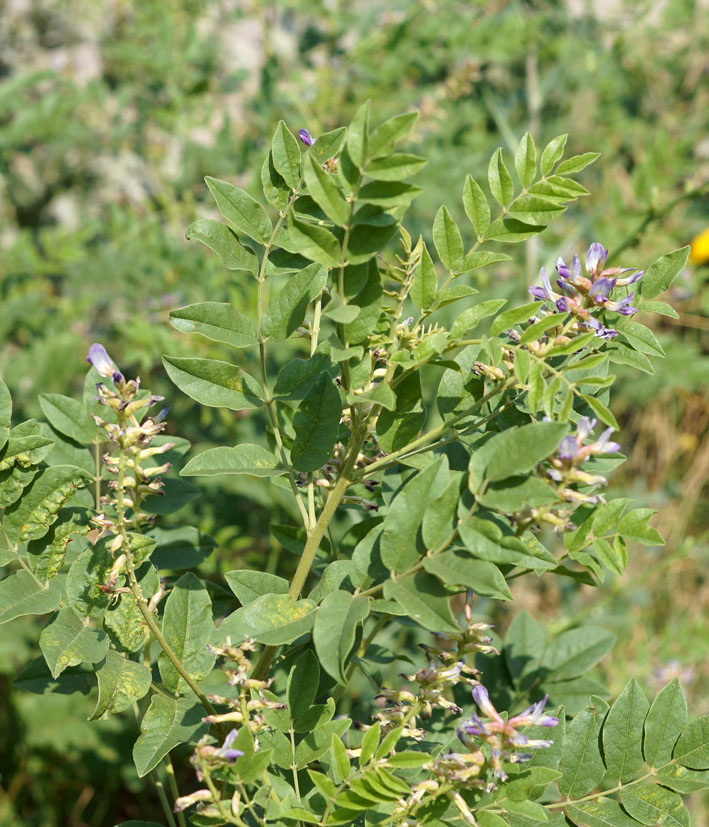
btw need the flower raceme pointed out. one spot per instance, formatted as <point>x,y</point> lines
<point>582,294</point>
<point>503,736</point>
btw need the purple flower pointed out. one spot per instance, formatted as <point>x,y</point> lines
<point>595,258</point>
<point>601,288</point>
<point>532,716</point>
<point>482,699</point>
<point>603,445</point>
<point>630,279</point>
<point>99,359</point>
<point>225,751</point>
<point>585,427</point>
<point>545,291</point>
<point>623,306</point>
<point>568,449</point>
<point>604,332</point>
<point>306,137</point>
<point>569,273</point>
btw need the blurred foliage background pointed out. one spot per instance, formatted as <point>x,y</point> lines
<point>112,112</point>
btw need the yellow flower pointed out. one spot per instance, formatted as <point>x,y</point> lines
<point>699,251</point>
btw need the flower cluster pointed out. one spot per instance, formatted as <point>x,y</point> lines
<point>446,669</point>
<point>206,760</point>
<point>572,452</point>
<point>131,435</point>
<point>582,294</point>
<point>564,469</point>
<point>247,709</point>
<point>503,736</point>
<point>249,706</point>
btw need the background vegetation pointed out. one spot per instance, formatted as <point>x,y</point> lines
<point>110,115</point>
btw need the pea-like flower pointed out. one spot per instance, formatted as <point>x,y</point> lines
<point>503,736</point>
<point>581,295</point>
<point>226,751</point>
<point>99,358</point>
<point>306,137</point>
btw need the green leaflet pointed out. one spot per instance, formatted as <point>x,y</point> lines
<point>664,723</point>
<point>581,763</point>
<point>499,179</point>
<point>286,155</point>
<point>358,135</point>
<point>471,317</point>
<point>124,621</point>
<point>46,555</point>
<point>324,191</point>
<point>31,517</point>
<point>457,568</point>
<point>240,209</point>
<point>66,641</point>
<point>241,459</point>
<point>575,651</point>
<point>225,243</point>
<point>69,417</point>
<point>425,283</point>
<point>274,187</point>
<point>272,618</point>
<point>369,302</point>
<point>621,745</point>
<point>602,813</point>
<point>516,451</point>
<point>297,376</point>
<point>21,594</point>
<point>287,308</point>
<point>167,723</point>
<point>318,742</point>
<point>316,424</point>
<point>314,242</point>
<point>385,137</point>
<point>247,585</point>
<point>328,144</point>
<point>400,527</point>
<point>662,272</point>
<point>395,167</point>
<point>334,630</point>
<point>576,163</point>
<point>514,316</point>
<point>651,804</point>
<point>121,682</point>
<point>424,599</point>
<point>692,748</point>
<point>214,383</point>
<point>187,626</point>
<point>447,240</point>
<point>302,685</point>
<point>88,573</point>
<point>553,152</point>
<point>218,321</point>
<point>399,427</point>
<point>476,207</point>
<point>526,160</point>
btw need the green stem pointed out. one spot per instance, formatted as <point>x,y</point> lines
<point>165,804</point>
<point>312,544</point>
<point>97,477</point>
<point>137,591</point>
<point>172,783</point>
<point>268,400</point>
